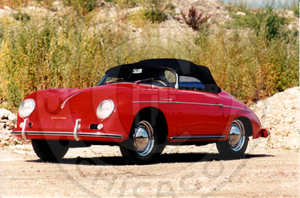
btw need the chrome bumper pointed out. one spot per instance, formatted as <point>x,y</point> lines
<point>68,134</point>
<point>75,132</point>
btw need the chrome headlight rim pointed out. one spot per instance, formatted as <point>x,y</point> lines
<point>21,112</point>
<point>98,111</point>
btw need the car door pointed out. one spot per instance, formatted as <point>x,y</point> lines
<point>198,112</point>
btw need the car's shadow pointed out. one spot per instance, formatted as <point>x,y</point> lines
<point>164,158</point>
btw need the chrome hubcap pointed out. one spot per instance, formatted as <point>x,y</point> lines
<point>143,138</point>
<point>237,135</point>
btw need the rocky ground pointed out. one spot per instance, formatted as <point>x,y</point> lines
<point>271,168</point>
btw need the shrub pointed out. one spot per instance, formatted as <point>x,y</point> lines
<point>155,16</point>
<point>265,19</point>
<point>251,68</point>
<point>21,16</point>
<point>154,11</point>
<point>194,20</point>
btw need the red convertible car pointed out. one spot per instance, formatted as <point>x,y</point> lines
<point>140,107</point>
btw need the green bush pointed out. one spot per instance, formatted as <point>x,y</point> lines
<point>154,11</point>
<point>155,16</point>
<point>263,19</point>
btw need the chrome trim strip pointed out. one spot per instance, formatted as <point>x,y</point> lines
<point>114,136</point>
<point>196,103</point>
<point>153,101</point>
<point>193,103</point>
<point>237,108</point>
<point>75,130</point>
<point>70,134</point>
<point>63,104</point>
<point>197,137</point>
<point>23,129</point>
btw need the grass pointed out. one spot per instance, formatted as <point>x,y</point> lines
<point>72,53</point>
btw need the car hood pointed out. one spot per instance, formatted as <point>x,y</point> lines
<point>64,101</point>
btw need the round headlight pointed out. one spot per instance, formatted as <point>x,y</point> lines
<point>26,108</point>
<point>105,109</point>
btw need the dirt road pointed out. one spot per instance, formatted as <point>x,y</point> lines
<point>182,172</point>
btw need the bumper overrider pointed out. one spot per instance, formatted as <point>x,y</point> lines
<point>71,134</point>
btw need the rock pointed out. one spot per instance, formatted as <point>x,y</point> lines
<point>32,3</point>
<point>5,112</point>
<point>20,152</point>
<point>241,13</point>
<point>177,10</point>
<point>12,117</point>
<point>7,8</point>
<point>57,5</point>
<point>11,126</point>
<point>3,13</point>
<point>65,11</point>
<point>280,115</point>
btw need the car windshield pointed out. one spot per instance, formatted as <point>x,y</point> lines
<point>143,75</point>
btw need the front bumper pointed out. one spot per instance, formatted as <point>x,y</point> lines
<point>29,134</point>
<point>70,135</point>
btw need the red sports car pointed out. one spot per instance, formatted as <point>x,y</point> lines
<point>140,107</point>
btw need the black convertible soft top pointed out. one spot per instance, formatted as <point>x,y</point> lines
<point>181,67</point>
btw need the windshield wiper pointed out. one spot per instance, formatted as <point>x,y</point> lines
<point>115,80</point>
<point>147,79</point>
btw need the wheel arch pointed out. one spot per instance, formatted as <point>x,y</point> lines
<point>156,117</point>
<point>247,124</point>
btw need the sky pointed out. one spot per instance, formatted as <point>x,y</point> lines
<point>261,3</point>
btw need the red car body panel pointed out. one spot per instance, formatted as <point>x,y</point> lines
<point>187,112</point>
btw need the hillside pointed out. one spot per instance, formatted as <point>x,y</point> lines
<point>252,53</point>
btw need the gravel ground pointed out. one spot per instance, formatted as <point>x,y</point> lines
<point>187,171</point>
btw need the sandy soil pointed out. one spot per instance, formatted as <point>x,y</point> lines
<point>188,171</point>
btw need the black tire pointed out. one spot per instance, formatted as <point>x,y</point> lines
<point>139,149</point>
<point>50,150</point>
<point>236,144</point>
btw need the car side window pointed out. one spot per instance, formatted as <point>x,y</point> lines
<point>190,82</point>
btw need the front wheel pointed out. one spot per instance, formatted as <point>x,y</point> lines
<point>236,144</point>
<point>143,144</point>
<point>50,150</point>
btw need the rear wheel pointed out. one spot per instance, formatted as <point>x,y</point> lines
<point>237,142</point>
<point>50,150</point>
<point>143,145</point>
